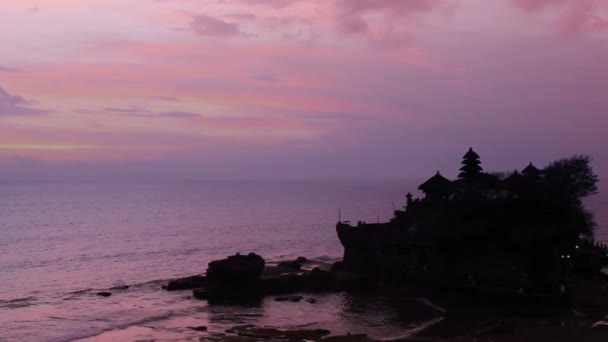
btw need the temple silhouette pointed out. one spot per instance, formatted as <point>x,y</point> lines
<point>525,231</point>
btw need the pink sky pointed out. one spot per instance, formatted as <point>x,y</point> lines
<point>298,88</point>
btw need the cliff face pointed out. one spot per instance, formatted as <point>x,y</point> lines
<point>362,246</point>
<point>388,250</point>
<point>455,251</point>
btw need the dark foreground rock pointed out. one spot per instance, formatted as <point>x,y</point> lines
<point>276,334</point>
<point>119,288</point>
<point>104,294</point>
<point>251,333</point>
<point>237,276</point>
<point>199,328</point>
<point>294,299</point>
<point>294,264</point>
<point>188,283</point>
<point>246,268</point>
<point>200,294</point>
<point>246,277</point>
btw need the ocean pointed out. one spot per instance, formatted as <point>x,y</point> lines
<point>61,242</point>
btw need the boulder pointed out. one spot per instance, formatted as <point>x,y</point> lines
<point>311,300</point>
<point>199,328</point>
<point>246,268</point>
<point>188,283</point>
<point>292,265</point>
<point>235,277</point>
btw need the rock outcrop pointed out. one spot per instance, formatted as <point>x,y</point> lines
<point>237,276</point>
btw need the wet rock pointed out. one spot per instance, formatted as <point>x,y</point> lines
<point>293,265</point>
<point>238,328</point>
<point>276,334</point>
<point>320,280</point>
<point>200,294</point>
<point>104,294</point>
<point>348,338</point>
<point>199,328</point>
<point>188,283</point>
<point>294,299</point>
<point>314,281</point>
<point>338,266</point>
<point>119,288</point>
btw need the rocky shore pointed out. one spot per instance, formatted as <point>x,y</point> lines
<point>468,315</point>
<point>248,277</point>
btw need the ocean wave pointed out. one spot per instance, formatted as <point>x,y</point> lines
<point>326,258</point>
<point>430,304</point>
<point>151,284</point>
<point>17,303</point>
<point>119,326</point>
<point>409,333</point>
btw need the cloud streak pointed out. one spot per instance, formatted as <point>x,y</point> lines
<point>7,69</point>
<point>180,115</point>
<point>16,105</point>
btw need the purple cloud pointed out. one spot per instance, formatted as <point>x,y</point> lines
<point>205,25</point>
<point>17,105</point>
<point>351,17</point>
<point>180,115</point>
<point>575,16</point>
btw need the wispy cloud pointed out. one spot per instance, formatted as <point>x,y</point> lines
<point>164,98</point>
<point>127,110</point>
<point>180,115</point>
<point>7,69</point>
<point>17,105</point>
<point>47,147</point>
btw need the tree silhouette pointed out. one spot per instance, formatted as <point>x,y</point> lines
<point>571,178</point>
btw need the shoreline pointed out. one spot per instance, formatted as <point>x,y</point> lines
<point>456,320</point>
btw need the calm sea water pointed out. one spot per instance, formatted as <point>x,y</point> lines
<point>60,242</point>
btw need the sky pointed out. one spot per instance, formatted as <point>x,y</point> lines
<point>206,89</point>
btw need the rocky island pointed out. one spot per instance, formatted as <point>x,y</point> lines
<point>508,256</point>
<point>522,232</point>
